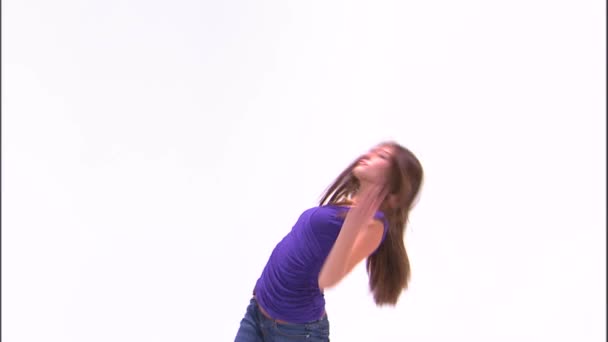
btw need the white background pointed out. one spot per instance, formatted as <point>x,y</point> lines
<point>153,153</point>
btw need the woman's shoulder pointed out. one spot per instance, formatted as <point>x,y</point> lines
<point>330,212</point>
<point>342,208</point>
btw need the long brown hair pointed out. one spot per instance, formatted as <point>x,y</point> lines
<point>389,267</point>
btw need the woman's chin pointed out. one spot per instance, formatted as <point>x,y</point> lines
<point>359,175</point>
<point>362,178</point>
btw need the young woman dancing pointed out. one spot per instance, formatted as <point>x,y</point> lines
<point>363,214</point>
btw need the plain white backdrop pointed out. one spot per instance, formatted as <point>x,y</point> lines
<point>153,153</point>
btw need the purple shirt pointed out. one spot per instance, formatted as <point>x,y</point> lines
<point>288,288</point>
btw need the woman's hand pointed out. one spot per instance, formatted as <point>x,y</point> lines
<point>367,202</point>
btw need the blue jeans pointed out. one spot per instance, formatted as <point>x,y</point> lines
<point>255,327</point>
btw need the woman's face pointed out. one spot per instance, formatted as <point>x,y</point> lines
<point>374,166</point>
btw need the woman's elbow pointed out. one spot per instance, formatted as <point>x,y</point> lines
<point>326,282</point>
<point>324,285</point>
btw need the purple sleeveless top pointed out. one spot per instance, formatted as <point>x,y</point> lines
<point>288,288</point>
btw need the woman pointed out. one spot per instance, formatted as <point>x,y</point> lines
<point>361,215</point>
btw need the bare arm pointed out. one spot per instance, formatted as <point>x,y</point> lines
<point>359,237</point>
